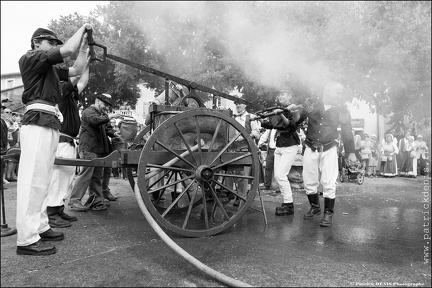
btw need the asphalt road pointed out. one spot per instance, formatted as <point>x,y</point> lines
<point>379,238</point>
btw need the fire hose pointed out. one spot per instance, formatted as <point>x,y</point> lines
<point>168,241</point>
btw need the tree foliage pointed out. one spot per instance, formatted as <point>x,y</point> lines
<point>379,50</point>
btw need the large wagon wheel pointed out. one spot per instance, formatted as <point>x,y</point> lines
<point>189,159</point>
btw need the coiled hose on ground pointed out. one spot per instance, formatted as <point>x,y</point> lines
<point>201,266</point>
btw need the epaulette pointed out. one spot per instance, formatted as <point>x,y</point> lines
<point>31,53</point>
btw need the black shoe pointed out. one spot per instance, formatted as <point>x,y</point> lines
<point>66,216</point>
<point>236,202</point>
<point>38,248</point>
<point>58,222</point>
<point>107,195</point>
<point>227,197</point>
<point>50,235</point>
<point>285,209</point>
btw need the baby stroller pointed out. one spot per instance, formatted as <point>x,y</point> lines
<point>353,172</point>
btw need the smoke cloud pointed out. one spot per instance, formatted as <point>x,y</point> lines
<point>267,50</point>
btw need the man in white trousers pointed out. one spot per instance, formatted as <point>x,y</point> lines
<point>287,142</point>
<point>62,177</point>
<point>40,134</point>
<point>320,159</point>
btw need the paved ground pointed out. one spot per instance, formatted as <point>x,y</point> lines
<point>377,239</point>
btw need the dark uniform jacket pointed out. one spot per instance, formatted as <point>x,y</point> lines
<point>323,124</point>
<point>41,81</point>
<point>69,108</point>
<point>95,127</point>
<point>286,134</point>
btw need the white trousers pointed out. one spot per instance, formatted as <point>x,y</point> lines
<point>324,164</point>
<point>38,148</point>
<point>283,159</point>
<point>62,176</point>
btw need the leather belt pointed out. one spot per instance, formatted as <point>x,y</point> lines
<point>66,138</point>
<point>316,146</point>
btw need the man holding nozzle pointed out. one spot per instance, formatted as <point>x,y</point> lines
<point>40,134</point>
<point>320,159</point>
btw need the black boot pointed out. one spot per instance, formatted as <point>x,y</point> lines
<point>285,209</point>
<point>315,207</point>
<point>328,212</point>
<point>66,216</point>
<point>54,219</point>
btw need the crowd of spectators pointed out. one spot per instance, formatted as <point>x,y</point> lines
<point>407,156</point>
<point>12,124</point>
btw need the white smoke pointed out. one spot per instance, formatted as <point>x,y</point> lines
<point>268,54</point>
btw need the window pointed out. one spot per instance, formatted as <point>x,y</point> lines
<point>10,83</point>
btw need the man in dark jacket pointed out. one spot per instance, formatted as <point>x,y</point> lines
<point>93,143</point>
<point>4,144</point>
<point>320,159</point>
<point>4,131</point>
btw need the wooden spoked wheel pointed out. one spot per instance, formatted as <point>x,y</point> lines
<point>137,144</point>
<point>192,167</point>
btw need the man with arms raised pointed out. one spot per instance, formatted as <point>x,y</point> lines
<point>40,134</point>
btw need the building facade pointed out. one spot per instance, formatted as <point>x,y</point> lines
<point>12,89</point>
